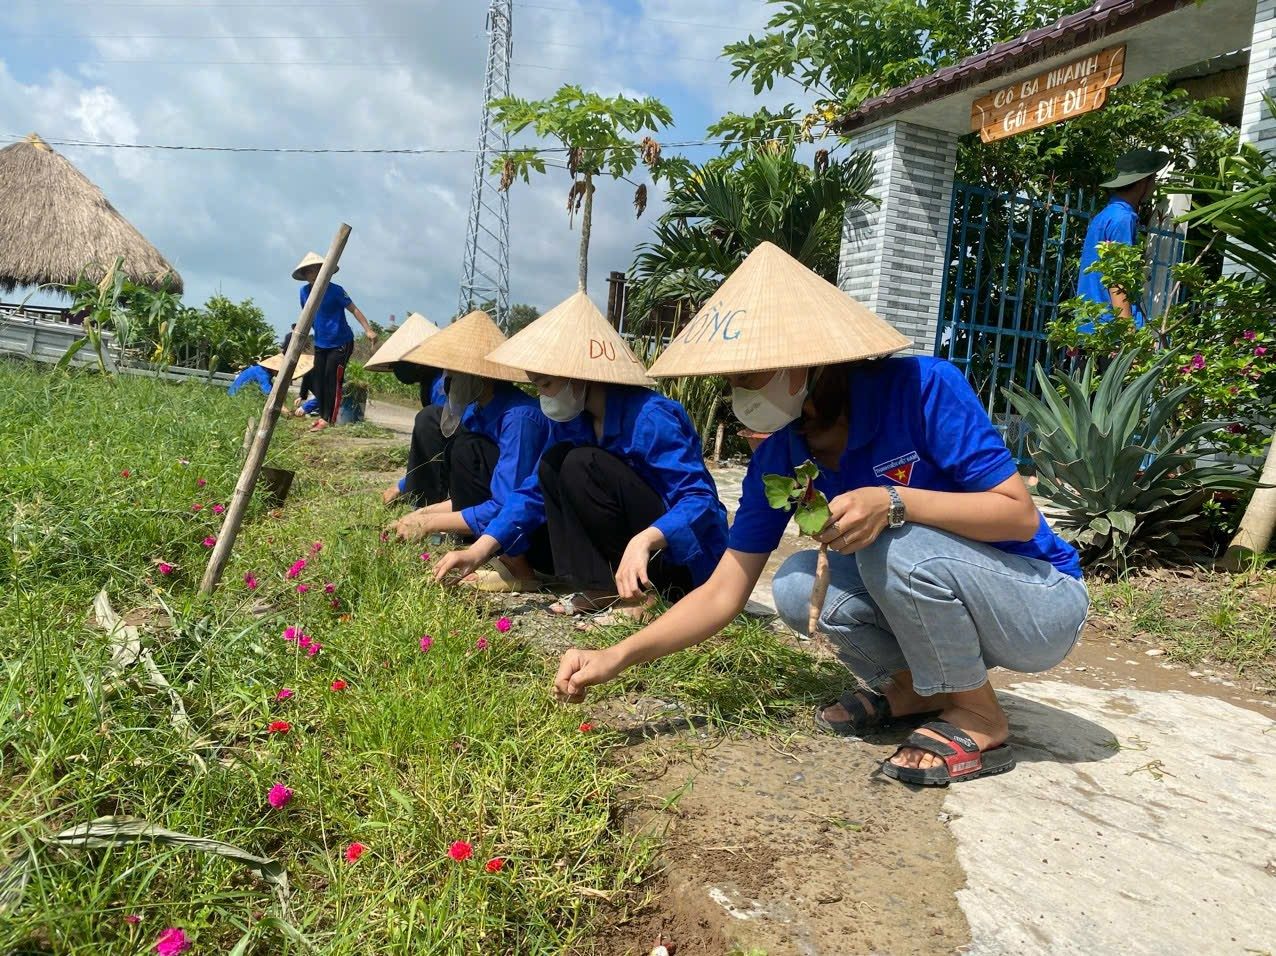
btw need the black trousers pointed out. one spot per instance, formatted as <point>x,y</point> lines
<point>428,462</point>
<point>473,459</point>
<point>594,505</point>
<point>307,385</point>
<point>330,374</point>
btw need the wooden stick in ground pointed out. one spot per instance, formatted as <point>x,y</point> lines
<point>819,592</point>
<point>269,416</point>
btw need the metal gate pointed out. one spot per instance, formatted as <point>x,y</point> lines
<point>1011,260</point>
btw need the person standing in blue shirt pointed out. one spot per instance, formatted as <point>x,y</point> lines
<point>334,341</point>
<point>497,435</point>
<point>622,486</point>
<point>1118,221</point>
<point>941,566</point>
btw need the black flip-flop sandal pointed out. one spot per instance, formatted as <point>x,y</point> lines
<point>963,760</point>
<point>863,718</point>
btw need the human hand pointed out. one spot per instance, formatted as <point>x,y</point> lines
<point>371,335</point>
<point>415,526</point>
<point>461,562</point>
<point>856,518</point>
<point>631,574</point>
<point>391,494</point>
<point>580,670</point>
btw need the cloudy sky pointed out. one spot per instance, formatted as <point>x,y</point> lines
<point>362,74</point>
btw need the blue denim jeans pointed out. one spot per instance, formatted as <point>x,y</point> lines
<point>939,605</point>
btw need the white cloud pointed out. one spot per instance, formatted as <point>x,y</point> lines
<point>398,76</point>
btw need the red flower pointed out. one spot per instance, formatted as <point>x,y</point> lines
<point>338,684</point>
<point>197,507</point>
<point>200,482</point>
<point>354,851</point>
<point>279,727</point>
<point>494,865</point>
<point>460,851</point>
<point>126,473</point>
<point>586,727</point>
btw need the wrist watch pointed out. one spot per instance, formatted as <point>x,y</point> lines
<point>895,516</point>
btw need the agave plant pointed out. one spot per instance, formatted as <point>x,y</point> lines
<point>1131,488</point>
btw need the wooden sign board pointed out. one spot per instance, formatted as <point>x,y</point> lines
<point>1071,89</point>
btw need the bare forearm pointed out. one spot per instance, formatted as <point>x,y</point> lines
<point>439,507</point>
<point>451,523</point>
<point>361,318</point>
<point>979,516</point>
<point>1120,302</point>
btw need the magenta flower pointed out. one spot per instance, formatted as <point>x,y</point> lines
<point>200,482</point>
<point>425,555</point>
<point>210,541</point>
<point>305,641</point>
<point>296,569</point>
<point>1250,335</point>
<point>316,547</point>
<point>335,604</point>
<point>427,642</point>
<point>504,624</point>
<point>481,644</point>
<point>1235,428</point>
<point>1198,361</point>
<point>165,568</point>
<point>197,507</point>
<point>314,648</point>
<point>279,796</point>
<point>284,693</point>
<point>329,587</point>
<point>132,919</point>
<point>303,588</point>
<point>290,633</point>
<point>250,581</point>
<point>1260,350</point>
<point>172,942</point>
<point>219,509</point>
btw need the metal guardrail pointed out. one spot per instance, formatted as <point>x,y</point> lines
<point>34,335</point>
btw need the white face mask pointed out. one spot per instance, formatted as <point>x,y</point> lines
<point>771,407</point>
<point>462,391</point>
<point>566,405</point>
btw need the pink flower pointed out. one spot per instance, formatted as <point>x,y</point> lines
<point>210,541</point>
<point>279,796</point>
<point>219,509</point>
<point>338,684</point>
<point>250,581</point>
<point>335,604</point>
<point>284,693</point>
<point>494,865</point>
<point>172,942</point>
<point>279,727</point>
<point>165,568</point>
<point>316,547</point>
<point>425,555</point>
<point>1198,361</point>
<point>481,644</point>
<point>296,569</point>
<point>1260,350</point>
<point>200,482</point>
<point>1251,335</point>
<point>427,642</point>
<point>132,919</point>
<point>197,507</point>
<point>504,624</point>
<point>303,588</point>
<point>354,851</point>
<point>329,587</point>
<point>460,851</point>
<point>290,633</point>
<point>304,641</point>
<point>314,649</point>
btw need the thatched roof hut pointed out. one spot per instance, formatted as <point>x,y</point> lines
<point>55,225</point>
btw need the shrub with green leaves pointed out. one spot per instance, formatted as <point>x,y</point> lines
<point>1132,486</point>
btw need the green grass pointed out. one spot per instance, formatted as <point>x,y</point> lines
<point>420,750</point>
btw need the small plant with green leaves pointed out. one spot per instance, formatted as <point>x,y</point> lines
<point>810,509</point>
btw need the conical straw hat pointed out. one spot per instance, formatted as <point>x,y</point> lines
<point>415,329</point>
<point>276,363</point>
<point>310,259</point>
<point>573,340</point>
<point>464,346</point>
<point>772,313</point>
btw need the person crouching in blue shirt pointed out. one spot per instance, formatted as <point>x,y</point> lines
<point>253,375</point>
<point>1130,189</point>
<point>622,487</point>
<point>334,341</point>
<point>941,566</point>
<point>497,435</point>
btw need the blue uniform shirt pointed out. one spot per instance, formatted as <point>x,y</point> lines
<point>913,421</point>
<point>652,435</point>
<point>1116,222</point>
<point>330,326</point>
<point>254,374</point>
<point>514,420</point>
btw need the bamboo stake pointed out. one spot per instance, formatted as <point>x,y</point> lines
<point>717,444</point>
<point>249,430</point>
<point>269,416</point>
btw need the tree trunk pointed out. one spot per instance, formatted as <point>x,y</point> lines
<point>586,223</point>
<point>1259,521</point>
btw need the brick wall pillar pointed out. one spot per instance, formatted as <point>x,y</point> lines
<point>893,254</point>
